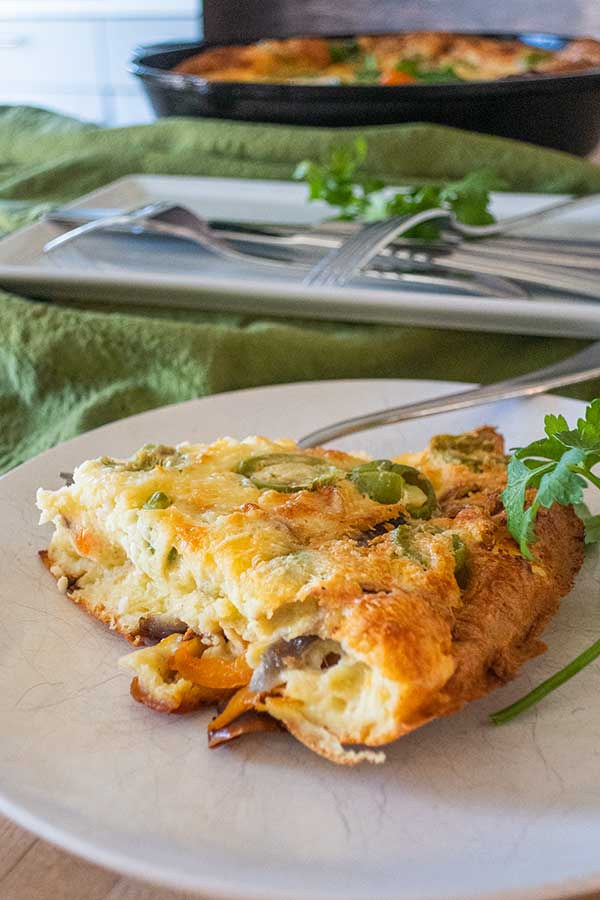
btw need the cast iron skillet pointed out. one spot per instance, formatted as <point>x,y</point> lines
<point>560,111</point>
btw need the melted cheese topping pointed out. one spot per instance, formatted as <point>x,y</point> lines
<point>244,567</point>
<point>373,59</point>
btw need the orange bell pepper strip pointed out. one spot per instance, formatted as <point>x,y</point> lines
<point>396,77</point>
<point>210,671</point>
<point>85,541</point>
<point>249,723</point>
<point>242,701</point>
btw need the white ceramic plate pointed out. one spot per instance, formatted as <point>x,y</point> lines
<point>462,809</point>
<point>134,271</point>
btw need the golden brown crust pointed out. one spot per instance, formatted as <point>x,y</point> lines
<point>472,57</point>
<point>79,599</point>
<point>396,610</point>
<point>508,603</point>
<point>261,59</point>
<point>132,637</point>
<point>184,704</point>
<point>159,684</point>
<point>579,54</point>
<point>506,606</point>
<point>317,739</point>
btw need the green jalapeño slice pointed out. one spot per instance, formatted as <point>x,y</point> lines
<point>379,480</point>
<point>288,472</point>
<point>461,561</point>
<point>388,482</point>
<point>414,478</point>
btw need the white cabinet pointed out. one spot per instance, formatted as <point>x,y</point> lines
<point>73,56</point>
<point>48,55</point>
<point>123,36</point>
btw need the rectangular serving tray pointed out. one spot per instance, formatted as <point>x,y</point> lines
<point>136,271</point>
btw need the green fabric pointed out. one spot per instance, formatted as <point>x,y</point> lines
<point>64,369</point>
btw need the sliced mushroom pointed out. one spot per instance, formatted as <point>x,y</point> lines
<point>155,628</point>
<point>276,658</point>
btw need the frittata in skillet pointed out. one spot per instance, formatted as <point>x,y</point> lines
<point>421,57</point>
<point>349,601</point>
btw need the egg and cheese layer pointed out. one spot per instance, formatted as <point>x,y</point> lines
<point>344,607</point>
<point>418,57</point>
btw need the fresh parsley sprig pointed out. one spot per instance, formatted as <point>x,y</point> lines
<point>340,184</point>
<point>560,467</point>
<point>546,687</point>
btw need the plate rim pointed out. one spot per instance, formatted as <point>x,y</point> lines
<point>122,864</point>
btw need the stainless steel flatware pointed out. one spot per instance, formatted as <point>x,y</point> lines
<point>171,220</point>
<point>328,235</point>
<point>568,280</point>
<point>69,214</point>
<point>164,219</point>
<point>341,264</point>
<point>530,262</point>
<point>582,366</point>
<point>338,266</point>
<point>540,254</point>
<point>482,285</point>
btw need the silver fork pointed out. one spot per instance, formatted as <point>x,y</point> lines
<point>169,220</point>
<point>174,221</point>
<point>582,366</point>
<point>339,266</point>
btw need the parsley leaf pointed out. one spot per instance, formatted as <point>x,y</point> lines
<point>592,523</point>
<point>560,466</point>
<point>469,197</point>
<point>520,478</point>
<point>339,183</point>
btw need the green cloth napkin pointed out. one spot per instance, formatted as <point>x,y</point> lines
<point>66,369</point>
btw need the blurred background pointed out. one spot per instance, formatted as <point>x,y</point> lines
<point>72,55</point>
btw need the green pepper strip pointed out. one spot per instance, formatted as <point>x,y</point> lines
<point>157,500</point>
<point>461,554</point>
<point>172,555</point>
<point>295,472</point>
<point>384,482</point>
<point>403,536</point>
<point>379,481</point>
<point>417,479</point>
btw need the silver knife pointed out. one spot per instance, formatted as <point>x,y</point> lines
<point>328,235</point>
<point>309,241</point>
